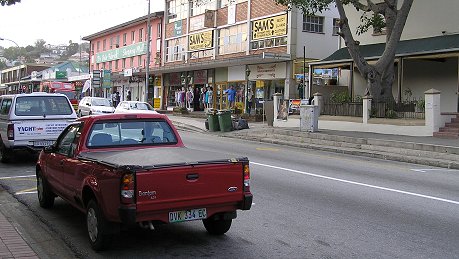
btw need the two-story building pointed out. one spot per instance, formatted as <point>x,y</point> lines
<point>255,46</point>
<point>121,53</point>
<point>18,79</point>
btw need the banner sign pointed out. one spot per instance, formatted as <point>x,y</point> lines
<point>202,40</point>
<point>269,27</point>
<point>177,28</point>
<point>107,83</point>
<point>124,52</point>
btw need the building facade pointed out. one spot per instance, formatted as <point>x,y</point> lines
<point>120,52</point>
<point>256,47</point>
<point>426,57</point>
<point>22,78</point>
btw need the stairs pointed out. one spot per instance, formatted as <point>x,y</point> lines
<point>451,129</point>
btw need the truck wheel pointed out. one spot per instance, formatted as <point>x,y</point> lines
<point>97,227</point>
<point>5,154</point>
<point>217,227</point>
<point>45,195</point>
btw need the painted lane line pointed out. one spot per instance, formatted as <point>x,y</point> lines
<point>359,184</point>
<point>19,176</point>
<point>20,193</point>
<point>433,169</point>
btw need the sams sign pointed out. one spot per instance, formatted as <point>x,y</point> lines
<point>269,27</point>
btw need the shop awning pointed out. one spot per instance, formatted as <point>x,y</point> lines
<point>440,45</point>
<point>199,64</point>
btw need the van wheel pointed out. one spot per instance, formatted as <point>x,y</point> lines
<point>217,227</point>
<point>45,195</point>
<point>5,154</point>
<point>97,227</point>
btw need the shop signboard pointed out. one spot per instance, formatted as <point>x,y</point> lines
<point>269,27</point>
<point>268,71</point>
<point>123,52</point>
<point>178,28</point>
<point>61,74</point>
<point>107,83</point>
<point>209,19</point>
<point>201,40</point>
<point>156,103</point>
<point>96,75</point>
<point>200,77</point>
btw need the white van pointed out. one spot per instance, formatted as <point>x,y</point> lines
<point>32,121</point>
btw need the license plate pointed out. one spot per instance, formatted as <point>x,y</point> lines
<point>43,143</point>
<point>187,215</point>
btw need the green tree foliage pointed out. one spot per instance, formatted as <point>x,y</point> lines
<point>9,2</point>
<point>384,14</point>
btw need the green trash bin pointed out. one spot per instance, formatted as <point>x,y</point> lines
<point>224,119</point>
<point>212,119</point>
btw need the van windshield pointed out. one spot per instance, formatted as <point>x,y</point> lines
<point>42,105</point>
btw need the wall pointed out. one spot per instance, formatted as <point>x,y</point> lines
<point>422,75</point>
<point>318,45</point>
<point>427,18</point>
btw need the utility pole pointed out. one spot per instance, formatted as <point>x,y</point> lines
<point>147,73</point>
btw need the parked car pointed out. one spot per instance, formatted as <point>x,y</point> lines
<point>94,106</point>
<point>134,107</point>
<point>126,169</point>
<point>32,121</point>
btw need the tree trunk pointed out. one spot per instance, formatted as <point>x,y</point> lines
<point>380,84</point>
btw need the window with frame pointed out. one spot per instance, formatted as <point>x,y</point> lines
<point>140,34</point>
<point>336,28</point>
<point>177,10</point>
<point>98,46</point>
<point>116,64</point>
<point>201,54</point>
<point>313,23</point>
<point>110,65</point>
<point>132,36</point>
<point>124,39</point>
<point>159,30</point>
<point>175,49</point>
<point>6,105</point>
<point>269,43</point>
<point>197,9</point>
<point>232,39</point>
<point>124,63</point>
<point>104,43</point>
<point>139,61</point>
<point>132,62</point>
<point>67,144</point>
<point>112,39</point>
<point>225,3</point>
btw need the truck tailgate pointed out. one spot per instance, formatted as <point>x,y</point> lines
<point>190,186</point>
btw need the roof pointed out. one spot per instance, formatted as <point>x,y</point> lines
<point>405,48</point>
<point>122,26</point>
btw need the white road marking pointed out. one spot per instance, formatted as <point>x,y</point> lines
<point>357,183</point>
<point>19,193</point>
<point>19,176</point>
<point>425,170</point>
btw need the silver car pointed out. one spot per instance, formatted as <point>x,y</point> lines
<point>134,107</point>
<point>94,106</point>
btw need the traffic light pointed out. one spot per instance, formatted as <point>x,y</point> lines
<point>9,2</point>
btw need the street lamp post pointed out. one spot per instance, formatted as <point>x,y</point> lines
<point>147,73</point>
<point>247,74</point>
<point>19,76</point>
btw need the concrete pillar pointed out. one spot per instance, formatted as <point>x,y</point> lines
<point>289,85</point>
<point>318,101</point>
<point>366,108</point>
<point>432,110</point>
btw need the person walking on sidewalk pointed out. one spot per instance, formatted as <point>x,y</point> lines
<point>231,96</point>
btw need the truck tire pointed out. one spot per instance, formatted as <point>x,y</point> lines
<point>217,227</point>
<point>97,227</point>
<point>45,195</point>
<point>5,154</point>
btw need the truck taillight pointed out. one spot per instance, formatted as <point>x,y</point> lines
<point>10,131</point>
<point>246,178</point>
<point>127,188</point>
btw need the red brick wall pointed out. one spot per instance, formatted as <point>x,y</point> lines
<point>271,50</point>
<point>241,14</point>
<point>262,8</point>
<point>232,55</point>
<point>170,29</point>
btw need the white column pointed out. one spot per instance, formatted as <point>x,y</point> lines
<point>432,110</point>
<point>318,101</point>
<point>276,98</point>
<point>366,108</point>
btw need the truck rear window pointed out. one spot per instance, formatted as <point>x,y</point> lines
<point>131,133</point>
<point>42,105</point>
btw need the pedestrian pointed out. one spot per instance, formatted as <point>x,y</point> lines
<point>209,97</point>
<point>129,97</point>
<point>250,101</point>
<point>118,97</point>
<point>231,96</point>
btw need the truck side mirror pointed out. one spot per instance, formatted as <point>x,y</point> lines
<point>88,104</point>
<point>49,149</point>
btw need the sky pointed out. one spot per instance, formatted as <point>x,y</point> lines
<point>59,21</point>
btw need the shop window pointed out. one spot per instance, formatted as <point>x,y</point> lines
<point>232,39</point>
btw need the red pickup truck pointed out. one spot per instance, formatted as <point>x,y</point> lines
<point>126,169</point>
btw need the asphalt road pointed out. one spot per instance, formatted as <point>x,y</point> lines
<point>307,204</point>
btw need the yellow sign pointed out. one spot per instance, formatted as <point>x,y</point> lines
<point>260,84</point>
<point>269,27</point>
<point>202,40</point>
<point>156,103</point>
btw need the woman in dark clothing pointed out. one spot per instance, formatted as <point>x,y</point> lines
<point>196,98</point>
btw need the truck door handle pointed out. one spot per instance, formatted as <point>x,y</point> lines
<point>192,176</point>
